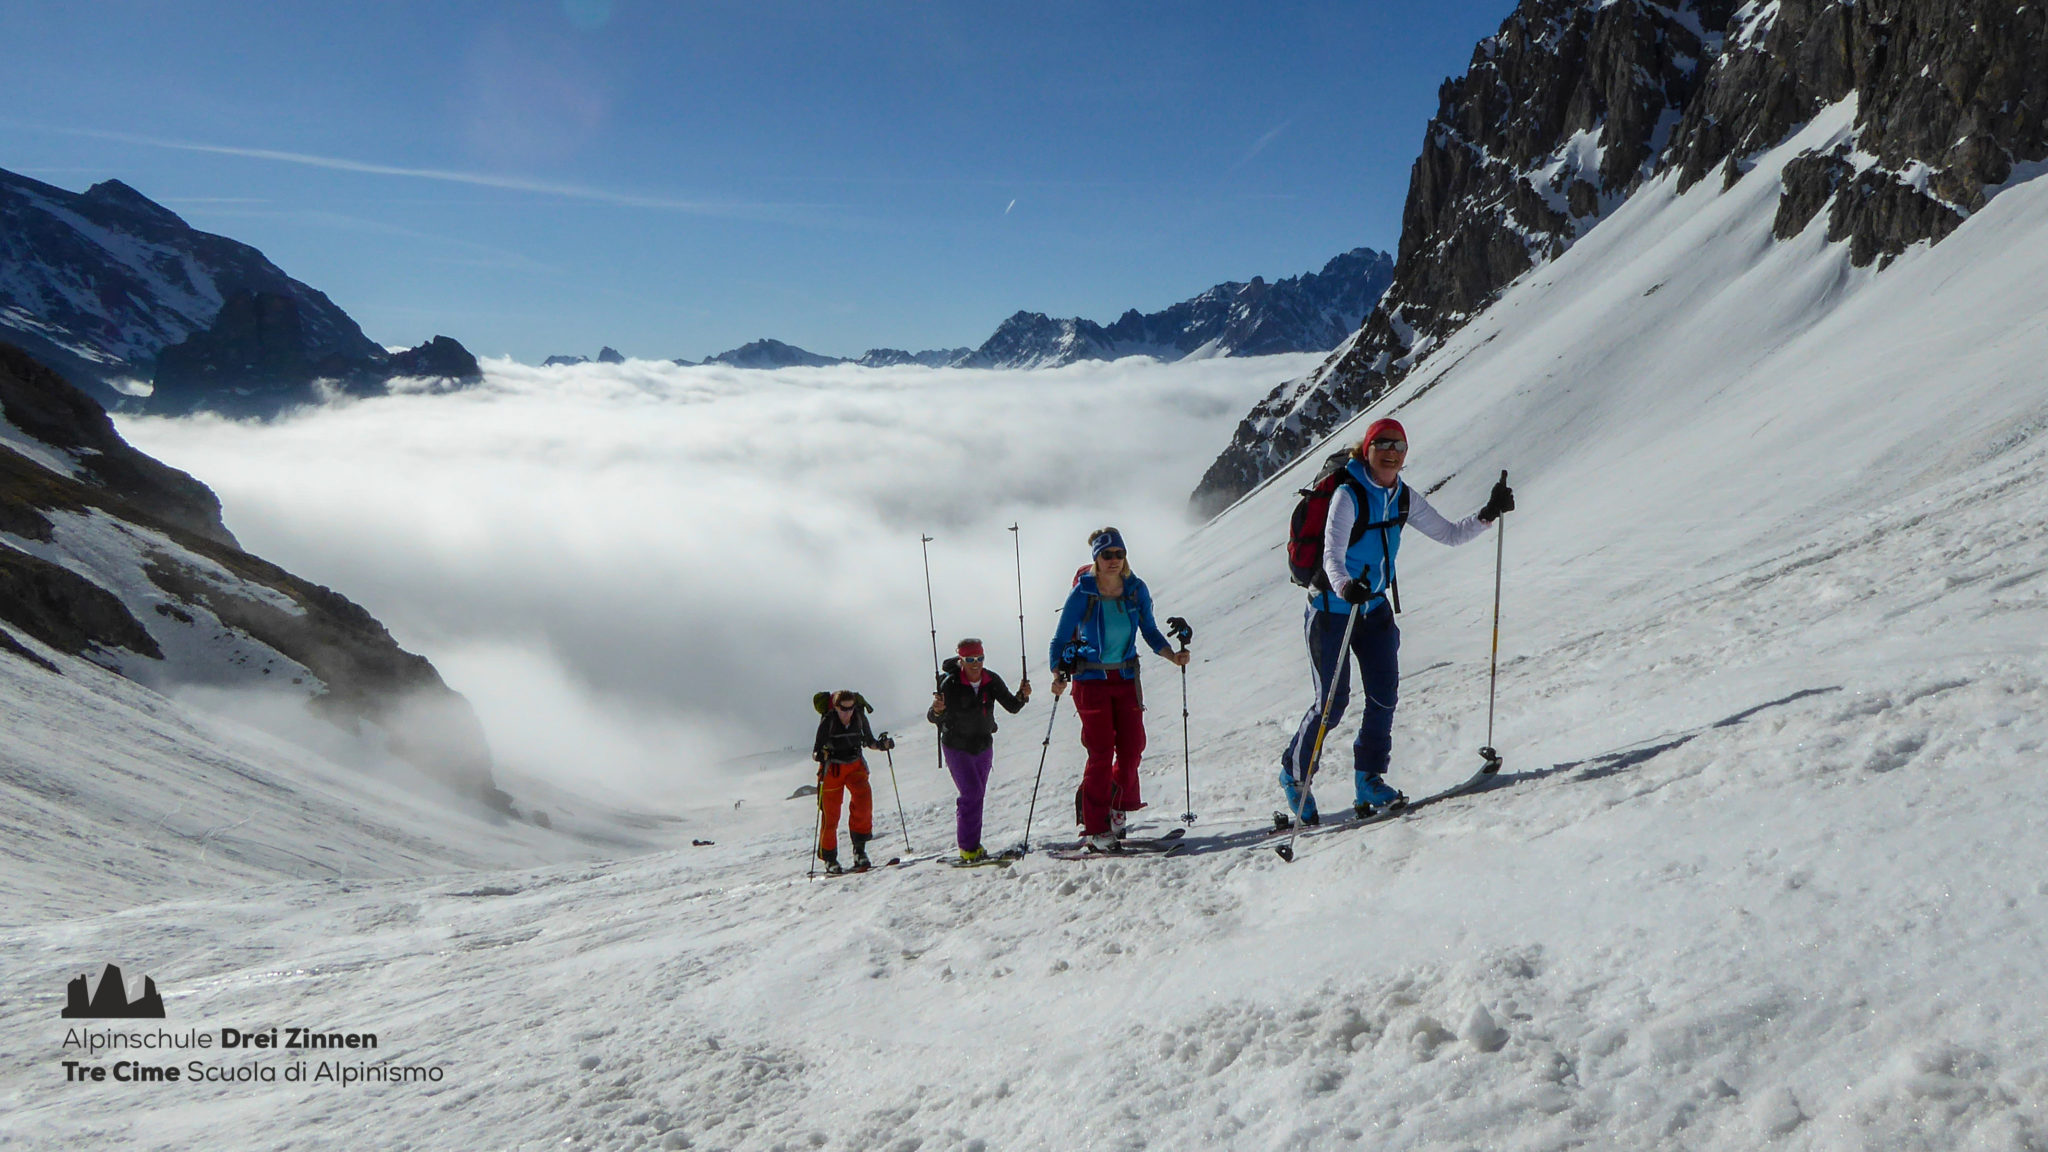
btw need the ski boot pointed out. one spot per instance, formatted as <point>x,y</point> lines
<point>831,858</point>
<point>861,863</point>
<point>1376,797</point>
<point>1119,824</point>
<point>1100,842</point>
<point>973,855</point>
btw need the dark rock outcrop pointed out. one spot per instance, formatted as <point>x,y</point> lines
<point>772,354</point>
<point>42,405</point>
<point>564,361</point>
<point>88,604</point>
<point>260,358</point>
<point>66,611</point>
<point>1950,95</point>
<point>1574,103</point>
<point>441,358</point>
<point>610,355</point>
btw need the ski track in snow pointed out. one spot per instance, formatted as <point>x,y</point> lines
<point>1762,869</point>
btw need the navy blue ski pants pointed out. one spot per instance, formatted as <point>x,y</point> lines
<point>1376,643</point>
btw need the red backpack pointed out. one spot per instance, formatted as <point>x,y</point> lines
<point>1312,512</point>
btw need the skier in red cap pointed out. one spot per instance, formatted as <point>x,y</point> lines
<point>1361,540</point>
<point>964,708</point>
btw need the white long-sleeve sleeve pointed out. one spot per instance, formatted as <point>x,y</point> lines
<point>1337,536</point>
<point>1433,525</point>
<point>1421,514</point>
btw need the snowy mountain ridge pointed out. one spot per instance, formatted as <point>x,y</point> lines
<point>117,293</point>
<point>1311,312</point>
<point>110,557</point>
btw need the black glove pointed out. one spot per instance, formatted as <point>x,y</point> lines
<point>1502,500</point>
<point>1178,628</point>
<point>887,743</point>
<point>1355,592</point>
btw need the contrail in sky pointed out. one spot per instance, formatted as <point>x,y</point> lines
<point>446,176</point>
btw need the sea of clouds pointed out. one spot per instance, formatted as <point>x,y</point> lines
<point>640,573</point>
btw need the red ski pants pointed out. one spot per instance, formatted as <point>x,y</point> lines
<point>851,779</point>
<point>1113,732</point>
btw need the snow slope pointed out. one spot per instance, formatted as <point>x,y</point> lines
<point>1762,871</point>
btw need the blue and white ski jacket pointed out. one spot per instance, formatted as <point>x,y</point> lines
<point>1377,548</point>
<point>1083,615</point>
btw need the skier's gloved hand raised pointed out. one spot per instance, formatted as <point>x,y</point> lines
<point>1502,500</point>
<point>886,743</point>
<point>1355,592</point>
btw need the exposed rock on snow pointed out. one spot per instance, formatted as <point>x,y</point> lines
<point>124,561</point>
<point>1561,116</point>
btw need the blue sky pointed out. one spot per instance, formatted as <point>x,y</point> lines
<point>678,178</point>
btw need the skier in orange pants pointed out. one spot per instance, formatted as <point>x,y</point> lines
<point>842,770</point>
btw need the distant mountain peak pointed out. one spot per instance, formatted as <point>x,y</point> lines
<point>107,286</point>
<point>115,194</point>
<point>766,353</point>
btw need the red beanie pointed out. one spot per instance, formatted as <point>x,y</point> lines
<point>1380,426</point>
<point>969,647</point>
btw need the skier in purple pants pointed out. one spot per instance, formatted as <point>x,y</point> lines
<point>964,708</point>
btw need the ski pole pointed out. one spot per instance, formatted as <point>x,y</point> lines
<point>811,866</point>
<point>899,795</point>
<point>938,681</point>
<point>1179,629</point>
<point>1042,750</point>
<point>1304,786</point>
<point>1023,649</point>
<point>1500,544</point>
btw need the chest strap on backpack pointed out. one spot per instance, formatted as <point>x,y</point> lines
<point>1400,519</point>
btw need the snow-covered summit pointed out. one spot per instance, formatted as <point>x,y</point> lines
<point>1311,312</point>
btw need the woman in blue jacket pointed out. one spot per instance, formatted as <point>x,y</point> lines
<point>1096,646</point>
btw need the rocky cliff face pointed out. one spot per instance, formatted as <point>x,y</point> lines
<point>1561,115</point>
<point>1312,312</point>
<point>1950,101</point>
<point>100,284</point>
<point>113,557</point>
<point>1573,104</point>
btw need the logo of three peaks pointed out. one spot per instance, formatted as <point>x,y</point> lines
<point>110,1000</point>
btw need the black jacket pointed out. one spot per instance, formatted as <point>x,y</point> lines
<point>969,722</point>
<point>841,743</point>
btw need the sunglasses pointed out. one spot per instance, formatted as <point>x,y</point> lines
<point>971,659</point>
<point>1111,554</point>
<point>1390,445</point>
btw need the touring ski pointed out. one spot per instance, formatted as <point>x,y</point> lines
<point>1478,780</point>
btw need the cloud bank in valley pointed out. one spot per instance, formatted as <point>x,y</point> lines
<point>640,571</point>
